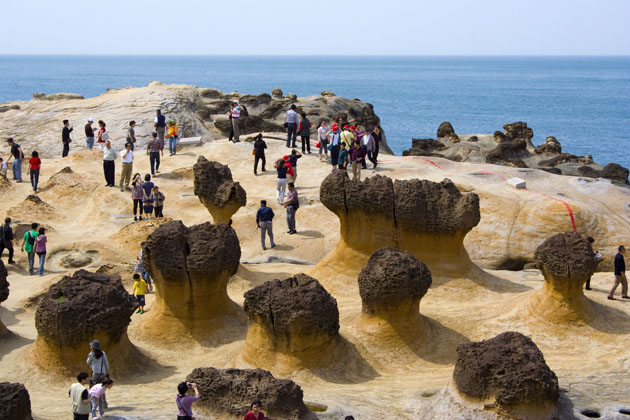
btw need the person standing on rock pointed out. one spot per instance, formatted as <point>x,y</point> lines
<point>357,156</point>
<point>131,135</point>
<point>153,150</point>
<point>78,393</point>
<point>292,204</point>
<point>40,249</point>
<point>259,153</point>
<point>293,158</point>
<point>126,157</point>
<point>620,275</point>
<point>160,126</point>
<point>281,181</point>
<point>292,126</point>
<point>367,143</point>
<point>102,135</point>
<point>334,140</point>
<point>304,129</point>
<point>172,137</point>
<point>65,138</point>
<point>109,164</point>
<point>322,139</point>
<point>343,157</point>
<point>235,114</point>
<point>184,402</point>
<point>18,156</point>
<point>29,245</point>
<point>34,164</point>
<point>6,239</point>
<point>377,135</point>
<point>89,134</point>
<point>255,413</point>
<point>136,196</point>
<point>264,221</point>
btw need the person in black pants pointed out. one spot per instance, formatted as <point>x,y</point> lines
<point>305,133</point>
<point>65,137</point>
<point>292,126</point>
<point>259,153</point>
<point>6,239</point>
<point>109,165</point>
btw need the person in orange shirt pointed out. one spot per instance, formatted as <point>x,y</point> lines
<point>172,137</point>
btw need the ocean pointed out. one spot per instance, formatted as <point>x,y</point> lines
<point>583,101</point>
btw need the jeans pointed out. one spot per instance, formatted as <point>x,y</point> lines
<point>34,178</point>
<point>89,141</point>
<point>334,155</point>
<point>145,276</point>
<point>281,187</point>
<point>323,147</point>
<point>97,402</point>
<point>66,149</point>
<point>256,159</point>
<point>154,157</point>
<point>172,145</point>
<point>266,227</point>
<point>109,168</point>
<point>31,261</point>
<point>17,169</point>
<point>291,217</point>
<point>306,142</point>
<point>291,134</point>
<point>158,211</point>
<point>42,260</point>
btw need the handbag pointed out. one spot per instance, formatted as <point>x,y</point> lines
<point>285,125</point>
<point>330,146</point>
<point>105,136</point>
<point>253,152</point>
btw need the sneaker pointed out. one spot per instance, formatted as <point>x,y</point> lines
<point>142,311</point>
<point>135,219</point>
<point>291,232</point>
<point>264,249</point>
<point>138,311</point>
<point>122,190</point>
<point>273,246</point>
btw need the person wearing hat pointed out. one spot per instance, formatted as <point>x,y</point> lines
<point>89,133</point>
<point>98,363</point>
<point>235,114</point>
<point>333,144</point>
<point>348,137</point>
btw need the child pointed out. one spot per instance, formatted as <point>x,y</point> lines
<point>3,167</point>
<point>139,268</point>
<point>97,392</point>
<point>159,201</point>
<point>139,290</point>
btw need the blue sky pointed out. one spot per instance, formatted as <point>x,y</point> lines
<point>262,27</point>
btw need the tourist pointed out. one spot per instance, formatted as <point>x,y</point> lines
<point>343,157</point>
<point>184,402</point>
<point>367,143</point>
<point>18,156</point>
<point>620,274</point>
<point>98,363</point>
<point>147,197</point>
<point>6,239</point>
<point>153,150</point>
<point>65,137</point>
<point>281,181</point>
<point>171,126</point>
<point>97,392</point>
<point>348,137</point>
<point>255,413</point>
<point>89,134</point>
<point>378,136</point>
<point>292,125</point>
<point>102,136</point>
<point>304,129</point>
<point>126,157</point>
<point>147,186</point>
<point>139,290</point>
<point>136,196</point>
<point>78,393</point>
<point>333,145</point>
<point>159,198</point>
<point>358,132</point>
<point>40,248</point>
<point>160,127</point>
<point>322,139</point>
<point>28,245</point>
<point>293,158</point>
<point>259,153</point>
<point>3,167</point>
<point>235,114</point>
<point>264,220</point>
<point>109,164</point>
<point>34,164</point>
<point>287,164</point>
<point>131,135</point>
<point>357,156</point>
<point>598,259</point>
<point>292,204</point>
<point>139,268</point>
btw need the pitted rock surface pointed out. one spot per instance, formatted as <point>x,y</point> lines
<point>300,301</point>
<point>214,184</point>
<point>551,145</point>
<point>4,284</point>
<point>519,131</point>
<point>79,306</point>
<point>445,130</point>
<point>392,277</point>
<point>509,368</point>
<point>231,391</point>
<point>15,403</point>
<point>566,257</point>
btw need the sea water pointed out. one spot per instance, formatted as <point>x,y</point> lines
<point>583,101</point>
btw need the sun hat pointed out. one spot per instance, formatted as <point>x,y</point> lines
<point>90,119</point>
<point>95,344</point>
<point>345,126</point>
<point>334,127</point>
<point>285,157</point>
<point>352,127</point>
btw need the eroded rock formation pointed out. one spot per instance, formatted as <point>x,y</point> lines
<point>15,403</point>
<point>191,267</point>
<point>4,291</point>
<point>78,309</point>
<point>228,393</point>
<point>519,131</point>
<point>217,191</point>
<point>612,171</point>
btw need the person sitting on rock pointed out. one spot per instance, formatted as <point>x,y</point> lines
<point>255,413</point>
<point>184,402</point>
<point>139,291</point>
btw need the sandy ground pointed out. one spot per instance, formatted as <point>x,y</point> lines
<point>392,375</point>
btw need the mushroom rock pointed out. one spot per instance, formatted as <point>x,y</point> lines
<point>4,292</point>
<point>507,374</point>
<point>228,393</point>
<point>277,93</point>
<point>551,145</point>
<point>519,131</point>
<point>509,153</point>
<point>295,317</point>
<point>191,267</point>
<point>78,309</point>
<point>15,403</point>
<point>216,189</point>
<point>445,130</point>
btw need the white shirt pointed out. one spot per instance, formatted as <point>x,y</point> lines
<point>292,117</point>
<point>128,159</point>
<point>4,165</point>
<point>322,131</point>
<point>109,154</point>
<point>236,111</point>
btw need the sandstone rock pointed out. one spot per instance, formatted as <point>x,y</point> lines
<point>56,96</point>
<point>445,130</point>
<point>509,153</point>
<point>75,260</point>
<point>566,158</point>
<point>612,171</point>
<point>551,145</point>
<point>519,131</point>
<point>292,96</point>
<point>15,403</point>
<point>473,139</point>
<point>453,138</point>
<point>230,392</point>
<point>499,137</point>
<point>6,108</point>
<point>211,93</point>
<point>4,284</point>
<point>509,369</point>
<point>556,171</point>
<point>216,189</point>
<point>424,147</point>
<point>327,93</point>
<point>277,93</point>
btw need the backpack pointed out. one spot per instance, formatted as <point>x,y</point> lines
<point>31,239</point>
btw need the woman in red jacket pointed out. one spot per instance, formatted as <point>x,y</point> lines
<point>255,413</point>
<point>34,163</point>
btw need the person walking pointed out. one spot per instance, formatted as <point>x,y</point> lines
<point>293,158</point>
<point>126,157</point>
<point>304,130</point>
<point>281,180</point>
<point>79,395</point>
<point>131,135</point>
<point>65,137</point>
<point>292,126</point>
<point>18,156</point>
<point>89,134</point>
<point>28,245</point>
<point>598,259</point>
<point>377,134</point>
<point>620,275</point>
<point>136,196</point>
<point>184,402</point>
<point>102,136</point>
<point>139,291</point>
<point>322,138</point>
<point>264,221</point>
<point>333,145</point>
<point>343,157</point>
<point>291,205</point>
<point>235,114</point>
<point>6,239</point>
<point>259,153</point>
<point>158,198</point>
<point>153,150</point>
<point>109,164</point>
<point>255,413</point>
<point>289,167</point>
<point>172,137</point>
<point>160,126</point>
<point>367,142</point>
<point>357,156</point>
<point>34,164</point>
<point>40,249</point>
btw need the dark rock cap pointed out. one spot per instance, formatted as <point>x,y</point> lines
<point>4,284</point>
<point>297,301</point>
<point>518,131</point>
<point>79,306</point>
<point>566,257</point>
<point>392,277</point>
<point>214,184</point>
<point>509,368</point>
<point>445,130</point>
<point>15,403</point>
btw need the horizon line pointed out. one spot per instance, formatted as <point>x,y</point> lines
<point>299,55</point>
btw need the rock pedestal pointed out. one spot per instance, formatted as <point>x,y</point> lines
<point>15,403</point>
<point>217,191</point>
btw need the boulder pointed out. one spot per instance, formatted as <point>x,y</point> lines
<point>78,309</point>
<point>612,171</point>
<point>75,260</point>
<point>216,189</point>
<point>551,145</point>
<point>228,393</point>
<point>473,139</point>
<point>327,93</point>
<point>510,372</point>
<point>519,131</point>
<point>499,137</point>
<point>424,147</point>
<point>445,130</point>
<point>277,93</point>
<point>292,96</point>
<point>15,403</point>
<point>509,153</point>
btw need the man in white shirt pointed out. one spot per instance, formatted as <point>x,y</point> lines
<point>292,126</point>
<point>126,156</point>
<point>109,164</point>
<point>370,146</point>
